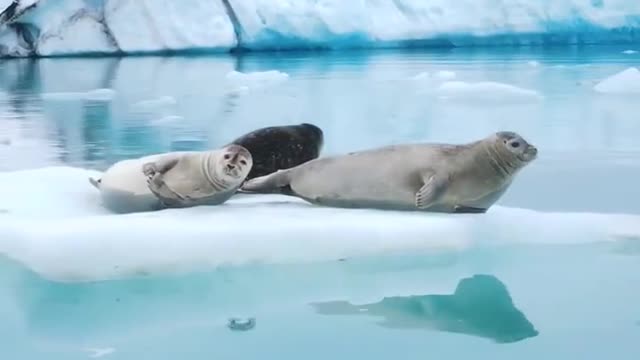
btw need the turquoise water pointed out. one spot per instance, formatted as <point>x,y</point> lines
<point>516,300</point>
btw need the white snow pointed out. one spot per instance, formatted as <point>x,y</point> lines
<point>77,26</point>
<point>160,102</point>
<point>486,91</point>
<point>624,82</point>
<point>54,224</point>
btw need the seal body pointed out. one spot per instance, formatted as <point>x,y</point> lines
<point>173,180</point>
<point>281,147</point>
<point>466,178</point>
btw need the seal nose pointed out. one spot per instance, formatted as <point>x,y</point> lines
<point>230,166</point>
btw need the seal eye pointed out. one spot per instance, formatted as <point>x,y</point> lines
<point>243,162</point>
<point>515,144</point>
<point>227,156</point>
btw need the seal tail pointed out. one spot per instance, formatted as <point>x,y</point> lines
<point>275,183</point>
<point>95,183</point>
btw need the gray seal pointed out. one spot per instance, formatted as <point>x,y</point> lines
<point>174,180</point>
<point>448,178</point>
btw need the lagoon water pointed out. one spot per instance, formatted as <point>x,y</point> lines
<point>552,271</point>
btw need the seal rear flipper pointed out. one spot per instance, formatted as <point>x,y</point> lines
<point>468,210</point>
<point>95,183</point>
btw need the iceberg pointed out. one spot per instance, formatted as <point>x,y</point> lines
<point>76,27</point>
<point>62,232</point>
<point>486,91</point>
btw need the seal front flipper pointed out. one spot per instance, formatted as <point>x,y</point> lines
<point>160,166</point>
<point>160,189</point>
<point>431,191</point>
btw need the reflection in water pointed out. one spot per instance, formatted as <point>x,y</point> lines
<point>96,133</point>
<point>480,306</point>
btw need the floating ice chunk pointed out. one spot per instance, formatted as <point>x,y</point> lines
<point>486,91</point>
<point>630,52</point>
<point>442,75</point>
<point>422,76</point>
<point>624,82</point>
<point>161,101</point>
<point>100,94</point>
<point>63,96</point>
<point>257,79</point>
<point>95,95</point>
<point>99,352</point>
<point>533,63</point>
<point>168,120</point>
<point>445,75</point>
<point>240,90</point>
<point>62,232</point>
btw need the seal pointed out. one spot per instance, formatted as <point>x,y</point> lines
<point>174,180</point>
<point>281,147</point>
<point>447,178</point>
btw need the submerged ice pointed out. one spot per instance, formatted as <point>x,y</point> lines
<point>51,27</point>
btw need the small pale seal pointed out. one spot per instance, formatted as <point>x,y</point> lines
<point>465,178</point>
<point>281,147</point>
<point>174,180</point>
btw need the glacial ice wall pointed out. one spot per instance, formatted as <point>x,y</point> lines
<point>54,27</point>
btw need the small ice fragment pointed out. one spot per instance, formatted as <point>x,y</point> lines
<point>62,96</point>
<point>445,75</point>
<point>486,91</point>
<point>99,352</point>
<point>155,103</point>
<point>422,76</point>
<point>258,78</point>
<point>167,120</point>
<point>239,325</point>
<point>100,94</point>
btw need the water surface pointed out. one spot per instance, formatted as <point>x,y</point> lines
<point>528,302</point>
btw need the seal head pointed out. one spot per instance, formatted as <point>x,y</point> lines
<point>230,168</point>
<point>510,152</point>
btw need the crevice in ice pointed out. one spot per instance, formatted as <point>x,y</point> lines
<point>237,26</point>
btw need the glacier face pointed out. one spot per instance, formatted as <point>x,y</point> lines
<point>53,27</point>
